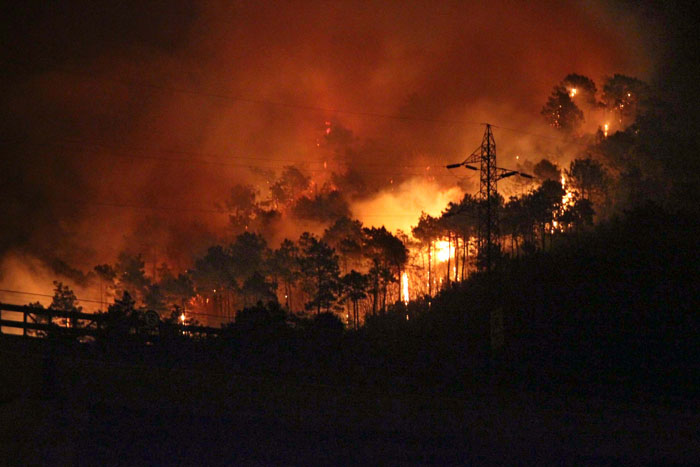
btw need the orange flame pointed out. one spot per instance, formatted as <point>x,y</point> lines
<point>404,288</point>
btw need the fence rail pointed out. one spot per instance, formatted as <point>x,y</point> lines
<point>78,323</point>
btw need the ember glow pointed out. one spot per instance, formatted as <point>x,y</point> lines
<point>161,127</point>
<point>404,288</point>
<point>568,199</point>
<point>444,250</point>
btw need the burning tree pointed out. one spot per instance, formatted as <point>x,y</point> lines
<point>346,237</point>
<point>581,88</point>
<point>387,254</point>
<point>623,95</point>
<point>588,178</point>
<point>560,112</point>
<point>426,232</point>
<point>290,185</point>
<point>64,299</point>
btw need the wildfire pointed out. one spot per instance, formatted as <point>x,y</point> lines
<point>444,250</point>
<point>568,199</point>
<point>404,287</point>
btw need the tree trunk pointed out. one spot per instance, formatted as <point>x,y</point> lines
<point>449,247</point>
<point>544,235</point>
<point>430,276</point>
<point>375,293</point>
<point>456,258</point>
<point>465,252</point>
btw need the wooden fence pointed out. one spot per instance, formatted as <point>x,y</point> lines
<point>38,322</point>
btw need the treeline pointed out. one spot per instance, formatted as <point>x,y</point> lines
<point>358,269</point>
<point>610,309</point>
<point>306,275</point>
<point>595,283</point>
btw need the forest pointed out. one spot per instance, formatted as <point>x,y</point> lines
<point>595,277</point>
<point>258,233</point>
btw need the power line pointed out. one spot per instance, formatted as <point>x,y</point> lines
<point>88,147</point>
<point>204,210</point>
<point>246,100</point>
<point>36,294</point>
<point>292,105</point>
<point>537,135</point>
<point>84,144</point>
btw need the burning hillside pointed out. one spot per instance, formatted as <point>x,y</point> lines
<point>141,153</point>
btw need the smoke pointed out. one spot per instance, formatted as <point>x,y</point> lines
<point>126,125</point>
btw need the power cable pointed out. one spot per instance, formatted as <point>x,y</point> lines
<point>247,100</point>
<point>87,147</point>
<point>292,105</point>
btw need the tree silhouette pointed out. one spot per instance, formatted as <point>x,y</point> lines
<point>581,89</point>
<point>587,177</point>
<point>355,286</point>
<point>626,96</point>
<point>426,232</point>
<point>284,263</point>
<point>131,275</point>
<point>241,207</point>
<point>257,288</point>
<point>214,278</point>
<point>386,254</point>
<point>546,170</point>
<point>248,254</point>
<point>291,183</point>
<point>176,290</point>
<point>319,264</point>
<point>121,317</point>
<point>543,204</point>
<point>346,237</point>
<point>578,215</point>
<point>326,206</point>
<point>64,299</point>
<point>560,112</point>
<point>515,220</point>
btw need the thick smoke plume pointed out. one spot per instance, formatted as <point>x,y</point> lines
<point>125,126</point>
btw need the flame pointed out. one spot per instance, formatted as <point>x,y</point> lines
<point>605,130</point>
<point>573,92</point>
<point>568,199</point>
<point>444,250</point>
<point>182,318</point>
<point>404,287</point>
<point>401,207</point>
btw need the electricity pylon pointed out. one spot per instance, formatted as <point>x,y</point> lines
<point>490,174</point>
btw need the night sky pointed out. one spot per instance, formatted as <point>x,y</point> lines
<point>125,125</point>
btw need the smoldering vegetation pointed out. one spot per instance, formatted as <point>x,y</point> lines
<point>117,142</point>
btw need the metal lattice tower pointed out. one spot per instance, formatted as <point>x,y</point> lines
<point>489,174</point>
<point>488,194</point>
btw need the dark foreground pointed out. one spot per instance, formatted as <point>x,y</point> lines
<point>100,413</point>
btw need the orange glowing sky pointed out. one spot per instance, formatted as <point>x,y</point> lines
<point>131,122</point>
